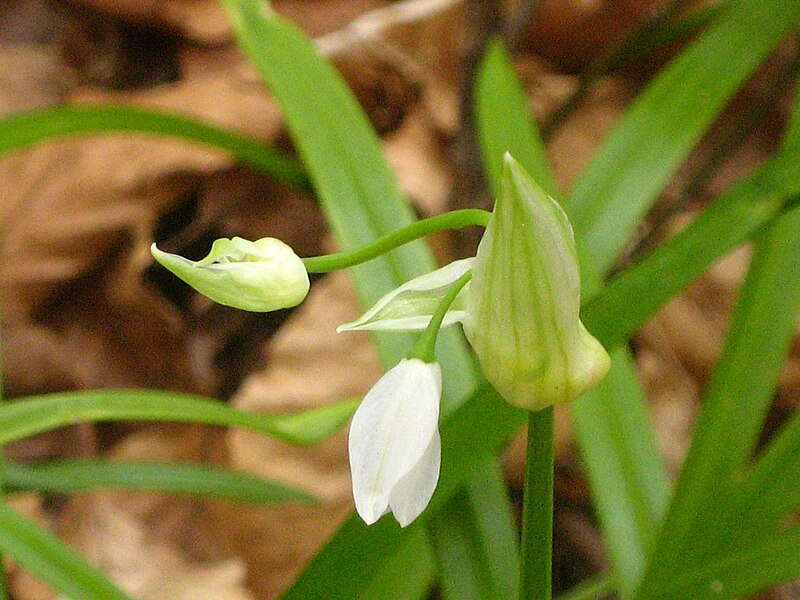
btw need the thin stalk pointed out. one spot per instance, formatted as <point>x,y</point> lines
<point>537,509</point>
<point>426,344</point>
<point>457,219</point>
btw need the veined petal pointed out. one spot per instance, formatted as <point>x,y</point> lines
<point>524,301</point>
<point>259,276</point>
<point>394,442</point>
<point>410,306</point>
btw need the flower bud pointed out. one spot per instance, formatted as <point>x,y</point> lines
<point>258,276</point>
<point>523,304</point>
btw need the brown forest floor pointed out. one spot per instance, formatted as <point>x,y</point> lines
<point>83,307</point>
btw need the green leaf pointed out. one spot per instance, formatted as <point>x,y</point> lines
<point>758,506</point>
<point>665,122</point>
<point>727,223</point>
<point>629,482</point>
<point>24,129</point>
<point>35,414</point>
<point>55,563</point>
<point>735,403</point>
<point>81,476</point>
<point>503,122</point>
<point>750,569</point>
<point>353,181</point>
<point>475,540</point>
<point>409,574</point>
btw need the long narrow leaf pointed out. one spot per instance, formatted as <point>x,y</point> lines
<point>736,401</point>
<point>727,223</point>
<point>25,129</point>
<point>55,563</point>
<point>753,568</point>
<point>36,414</point>
<point>81,476</point>
<point>475,541</point>
<point>770,492</point>
<point>628,478</point>
<point>631,169</point>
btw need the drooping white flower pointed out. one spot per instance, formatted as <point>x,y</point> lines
<point>394,444</point>
<point>259,276</point>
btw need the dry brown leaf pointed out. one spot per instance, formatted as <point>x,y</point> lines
<point>309,365</point>
<point>573,32</point>
<point>143,565</point>
<point>203,21</point>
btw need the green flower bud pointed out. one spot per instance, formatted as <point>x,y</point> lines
<point>522,316</point>
<point>258,276</point>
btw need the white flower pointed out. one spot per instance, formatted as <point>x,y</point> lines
<point>395,449</point>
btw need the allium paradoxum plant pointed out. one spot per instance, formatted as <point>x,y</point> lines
<point>518,301</point>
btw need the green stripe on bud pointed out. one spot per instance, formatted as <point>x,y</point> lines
<point>522,316</point>
<point>259,276</point>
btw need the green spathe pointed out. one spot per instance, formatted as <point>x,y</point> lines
<point>523,304</point>
<point>258,276</point>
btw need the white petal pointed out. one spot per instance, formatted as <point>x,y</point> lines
<point>391,433</point>
<point>413,493</point>
<point>410,306</point>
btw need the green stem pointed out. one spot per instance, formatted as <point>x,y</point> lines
<point>457,219</point>
<point>537,509</point>
<point>426,344</point>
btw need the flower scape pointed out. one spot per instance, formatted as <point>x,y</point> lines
<point>518,301</point>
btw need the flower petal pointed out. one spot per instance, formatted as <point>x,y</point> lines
<point>413,492</point>
<point>390,436</point>
<point>410,306</point>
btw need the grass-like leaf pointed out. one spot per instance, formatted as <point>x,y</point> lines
<point>734,407</point>
<point>632,167</point>
<point>24,129</point>
<point>727,223</point>
<point>36,414</point>
<point>44,555</point>
<point>82,476</point>
<point>756,566</point>
<point>475,541</point>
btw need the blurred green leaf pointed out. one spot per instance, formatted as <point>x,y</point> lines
<point>475,540</point>
<point>409,574</point>
<point>628,478</point>
<point>81,476</point>
<point>734,407</point>
<point>24,129</point>
<point>727,223</point>
<point>504,124</point>
<point>55,563</point>
<point>752,568</point>
<point>665,122</point>
<point>35,414</point>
